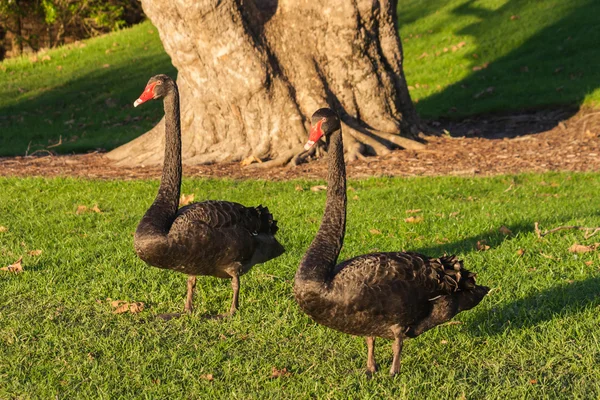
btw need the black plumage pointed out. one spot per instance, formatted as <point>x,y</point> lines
<point>216,238</point>
<point>390,295</point>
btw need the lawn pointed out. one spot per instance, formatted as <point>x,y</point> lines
<point>535,336</point>
<point>463,58</point>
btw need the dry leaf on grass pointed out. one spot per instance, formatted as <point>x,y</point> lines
<point>580,248</point>
<point>15,267</point>
<point>121,306</point>
<point>81,210</point>
<point>207,377</point>
<point>533,381</point>
<point>186,199</point>
<point>278,373</point>
<point>520,252</point>
<point>588,263</point>
<point>413,220</point>
<point>318,188</point>
<point>375,231</point>
<point>299,188</point>
<point>443,341</point>
<point>504,230</point>
<point>416,210</point>
<point>34,252</point>
<point>3,229</point>
<point>481,246</point>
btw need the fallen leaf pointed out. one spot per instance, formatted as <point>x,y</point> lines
<point>96,209</point>
<point>299,188</point>
<point>355,197</point>
<point>81,210</point>
<point>15,267</point>
<point>481,246</point>
<point>136,307</point>
<point>46,58</point>
<point>520,252</point>
<point>504,230</point>
<point>208,377</point>
<point>318,188</point>
<point>121,306</point>
<point>417,210</point>
<point>250,160</point>
<point>3,229</point>
<point>588,263</point>
<point>186,199</point>
<point>278,373</point>
<point>580,248</point>
<point>514,17</point>
<point>106,66</point>
<point>454,214</point>
<point>443,341</point>
<point>533,381</point>
<point>413,220</point>
<point>35,252</point>
<point>375,231</point>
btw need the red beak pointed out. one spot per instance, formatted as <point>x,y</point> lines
<point>315,134</point>
<point>148,94</point>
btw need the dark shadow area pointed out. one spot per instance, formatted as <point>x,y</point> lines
<point>567,298</point>
<point>490,238</point>
<point>556,66</point>
<point>99,103</point>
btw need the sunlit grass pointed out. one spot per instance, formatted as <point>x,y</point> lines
<point>465,57</point>
<point>535,336</point>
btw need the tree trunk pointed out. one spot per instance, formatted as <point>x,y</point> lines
<point>252,72</point>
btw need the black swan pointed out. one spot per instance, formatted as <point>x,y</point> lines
<point>390,295</point>
<point>216,238</point>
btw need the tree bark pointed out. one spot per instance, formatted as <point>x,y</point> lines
<point>252,72</point>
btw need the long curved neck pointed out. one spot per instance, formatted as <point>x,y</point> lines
<point>160,215</point>
<point>321,257</point>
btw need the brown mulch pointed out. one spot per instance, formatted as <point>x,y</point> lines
<point>559,140</point>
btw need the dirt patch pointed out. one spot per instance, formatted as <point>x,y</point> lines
<point>534,142</point>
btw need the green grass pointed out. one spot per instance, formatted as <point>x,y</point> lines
<point>535,336</point>
<point>87,104</point>
<point>547,57</point>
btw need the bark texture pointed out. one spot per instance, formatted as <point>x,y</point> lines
<point>251,73</point>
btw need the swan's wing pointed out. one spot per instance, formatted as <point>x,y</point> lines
<point>225,214</point>
<point>412,273</point>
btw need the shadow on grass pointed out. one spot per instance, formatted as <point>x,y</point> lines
<point>85,113</point>
<point>555,66</point>
<point>492,238</point>
<point>537,307</point>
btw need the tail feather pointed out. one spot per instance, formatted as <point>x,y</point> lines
<point>450,272</point>
<point>267,224</point>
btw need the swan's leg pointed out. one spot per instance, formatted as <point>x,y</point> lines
<point>371,364</point>
<point>397,349</point>
<point>191,285</point>
<point>235,285</point>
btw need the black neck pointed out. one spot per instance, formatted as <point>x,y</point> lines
<point>321,256</point>
<point>160,215</point>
